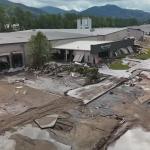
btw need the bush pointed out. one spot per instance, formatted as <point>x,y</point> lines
<point>91,74</point>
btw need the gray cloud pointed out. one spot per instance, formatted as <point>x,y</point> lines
<point>84,4</point>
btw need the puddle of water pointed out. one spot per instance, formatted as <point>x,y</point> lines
<point>34,133</point>
<point>135,139</point>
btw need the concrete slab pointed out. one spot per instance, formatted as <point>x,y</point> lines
<point>47,121</point>
<point>123,94</point>
<point>91,92</point>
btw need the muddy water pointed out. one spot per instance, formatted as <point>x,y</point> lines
<point>135,139</point>
<point>30,138</point>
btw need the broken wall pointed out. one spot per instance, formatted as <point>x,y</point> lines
<point>10,51</point>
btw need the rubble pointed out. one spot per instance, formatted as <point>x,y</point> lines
<point>16,79</point>
<point>51,69</point>
<point>90,117</point>
<point>145,74</point>
<point>91,92</point>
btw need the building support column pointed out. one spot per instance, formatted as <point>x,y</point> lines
<point>23,59</point>
<point>24,55</point>
<point>66,55</point>
<point>10,60</point>
<point>111,54</point>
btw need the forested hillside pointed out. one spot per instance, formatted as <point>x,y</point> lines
<point>28,20</point>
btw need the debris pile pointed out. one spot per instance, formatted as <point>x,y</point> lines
<point>50,69</point>
<point>53,69</point>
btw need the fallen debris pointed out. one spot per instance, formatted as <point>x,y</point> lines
<point>110,103</point>
<point>51,68</point>
<point>91,92</point>
<point>16,79</point>
<point>145,74</point>
<point>47,121</point>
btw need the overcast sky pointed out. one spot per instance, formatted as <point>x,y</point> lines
<point>84,4</point>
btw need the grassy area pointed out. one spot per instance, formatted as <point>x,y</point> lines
<point>117,65</point>
<point>143,56</point>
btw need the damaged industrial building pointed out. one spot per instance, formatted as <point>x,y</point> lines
<point>76,101</point>
<point>94,52</point>
<point>74,45</point>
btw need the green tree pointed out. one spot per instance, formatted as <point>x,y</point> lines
<point>39,50</point>
<point>2,19</point>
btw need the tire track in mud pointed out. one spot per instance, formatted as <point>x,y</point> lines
<point>58,106</point>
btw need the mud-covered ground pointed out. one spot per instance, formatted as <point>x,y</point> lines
<point>81,127</point>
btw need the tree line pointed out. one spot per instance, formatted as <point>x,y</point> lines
<point>27,20</point>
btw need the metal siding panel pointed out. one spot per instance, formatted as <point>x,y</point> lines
<point>111,46</point>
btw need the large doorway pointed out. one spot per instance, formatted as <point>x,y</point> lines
<point>17,60</point>
<point>4,63</point>
<point>63,55</point>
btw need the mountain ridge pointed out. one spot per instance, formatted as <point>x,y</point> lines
<point>116,11</point>
<point>8,5</point>
<point>104,11</point>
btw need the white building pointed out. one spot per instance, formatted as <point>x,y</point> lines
<point>84,23</point>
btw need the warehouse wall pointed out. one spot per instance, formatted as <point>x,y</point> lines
<point>15,56</point>
<point>138,34</point>
<point>8,48</point>
<point>116,36</point>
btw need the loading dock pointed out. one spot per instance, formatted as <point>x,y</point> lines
<point>11,61</point>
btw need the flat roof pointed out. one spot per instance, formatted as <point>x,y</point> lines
<point>145,27</point>
<point>93,32</point>
<point>54,34</point>
<point>80,45</point>
<point>89,32</point>
<point>24,36</point>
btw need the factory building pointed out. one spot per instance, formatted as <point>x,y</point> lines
<point>145,28</point>
<point>94,52</point>
<point>81,45</point>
